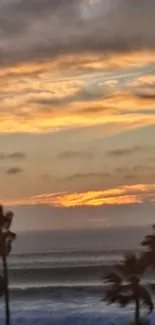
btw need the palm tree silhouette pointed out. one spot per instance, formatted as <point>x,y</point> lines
<point>126,287</point>
<point>6,238</point>
<point>149,254</point>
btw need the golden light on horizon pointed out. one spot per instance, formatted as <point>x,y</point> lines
<point>126,194</point>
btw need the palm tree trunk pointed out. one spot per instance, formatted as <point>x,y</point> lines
<point>6,292</point>
<point>137,313</point>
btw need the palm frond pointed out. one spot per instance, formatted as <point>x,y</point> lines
<point>6,239</point>
<point>2,285</point>
<point>149,259</point>
<point>113,277</point>
<point>149,241</point>
<point>10,236</point>
<point>124,300</point>
<point>111,295</point>
<point>114,295</point>
<point>132,264</point>
<point>146,298</point>
<point>8,220</point>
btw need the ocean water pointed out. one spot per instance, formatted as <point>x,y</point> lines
<point>56,278</point>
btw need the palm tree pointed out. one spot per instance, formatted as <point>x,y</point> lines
<point>149,254</point>
<point>6,238</point>
<point>125,285</point>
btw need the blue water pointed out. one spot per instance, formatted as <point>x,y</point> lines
<point>60,283</point>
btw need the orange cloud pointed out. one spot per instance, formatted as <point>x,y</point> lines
<point>72,63</point>
<point>24,113</point>
<point>120,195</point>
<point>59,94</point>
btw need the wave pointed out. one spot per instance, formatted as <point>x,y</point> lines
<point>43,265</point>
<point>65,258</point>
<point>77,251</point>
<point>73,274</point>
<point>61,274</point>
<point>57,290</point>
<point>65,289</point>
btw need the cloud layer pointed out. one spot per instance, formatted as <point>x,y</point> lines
<point>77,103</point>
<point>127,194</point>
<point>74,63</point>
<point>41,29</point>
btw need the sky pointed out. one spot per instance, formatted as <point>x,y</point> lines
<point>77,112</point>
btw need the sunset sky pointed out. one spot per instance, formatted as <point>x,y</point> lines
<point>77,112</point>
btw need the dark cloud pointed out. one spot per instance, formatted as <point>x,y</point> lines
<point>90,94</point>
<point>138,112</point>
<point>49,102</point>
<point>129,177</point>
<point>140,168</point>
<point>16,155</point>
<point>13,156</point>
<point>146,96</point>
<point>125,151</point>
<point>131,173</point>
<point>144,91</point>
<point>14,171</point>
<point>66,155</point>
<point>122,170</point>
<point>82,176</point>
<point>92,110</point>
<point>50,28</point>
<point>83,95</point>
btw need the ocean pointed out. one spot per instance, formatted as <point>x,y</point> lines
<point>56,278</point>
